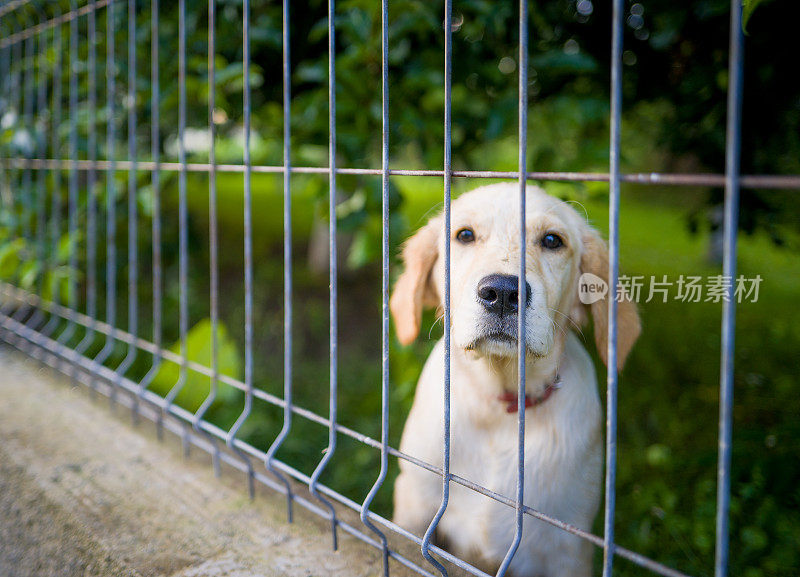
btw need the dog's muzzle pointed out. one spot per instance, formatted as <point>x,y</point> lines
<point>499,294</point>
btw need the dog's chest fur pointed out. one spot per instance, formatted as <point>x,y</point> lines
<point>562,470</point>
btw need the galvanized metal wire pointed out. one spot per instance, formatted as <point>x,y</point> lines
<point>333,258</point>
<point>213,232</point>
<point>385,260</point>
<point>287,265</point>
<point>522,345</point>
<point>446,324</point>
<point>733,140</point>
<point>613,279</point>
<point>64,332</point>
<point>132,216</point>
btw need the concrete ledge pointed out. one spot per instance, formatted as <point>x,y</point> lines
<point>83,493</point>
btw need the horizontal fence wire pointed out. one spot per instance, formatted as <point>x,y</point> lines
<point>761,181</point>
<point>31,31</point>
<point>46,327</point>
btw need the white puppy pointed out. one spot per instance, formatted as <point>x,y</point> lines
<point>563,433</point>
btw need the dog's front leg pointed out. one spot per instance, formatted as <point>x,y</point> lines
<point>417,491</point>
<point>417,495</point>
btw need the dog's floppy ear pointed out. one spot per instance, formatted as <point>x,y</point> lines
<point>595,260</point>
<point>414,289</point>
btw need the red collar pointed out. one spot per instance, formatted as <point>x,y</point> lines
<point>512,398</point>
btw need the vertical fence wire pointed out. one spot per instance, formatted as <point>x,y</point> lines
<point>35,188</point>
<point>40,213</point>
<point>385,258</point>
<point>6,90</point>
<point>14,59</point>
<point>33,102</point>
<point>16,180</point>
<point>522,284</point>
<point>15,103</point>
<point>41,185</point>
<point>333,259</point>
<point>19,90</point>
<point>731,218</point>
<point>72,285</point>
<point>15,92</point>
<point>448,81</point>
<point>30,89</point>
<point>15,177</point>
<point>6,199</point>
<point>27,121</point>
<point>25,176</point>
<point>111,193</point>
<point>27,313</point>
<point>155,183</point>
<point>287,264</point>
<point>11,90</point>
<point>213,266</point>
<point>133,294</point>
<point>183,218</point>
<point>613,274</point>
<point>91,192</point>
<point>5,73</point>
<point>248,260</point>
<point>55,197</point>
<point>5,65</point>
<point>5,109</point>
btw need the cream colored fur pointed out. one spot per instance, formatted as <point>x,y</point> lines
<point>563,436</point>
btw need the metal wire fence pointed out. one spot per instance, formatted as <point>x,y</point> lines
<point>62,327</point>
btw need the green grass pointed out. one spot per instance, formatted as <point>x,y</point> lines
<point>668,403</point>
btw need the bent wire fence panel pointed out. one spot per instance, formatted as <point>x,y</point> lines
<point>53,314</point>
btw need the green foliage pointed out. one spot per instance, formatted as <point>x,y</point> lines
<point>668,403</point>
<point>748,7</point>
<point>10,252</point>
<point>196,387</point>
<point>21,264</point>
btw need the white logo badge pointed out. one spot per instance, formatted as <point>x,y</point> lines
<point>591,288</point>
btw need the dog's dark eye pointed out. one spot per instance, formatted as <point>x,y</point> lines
<point>465,235</point>
<point>552,241</point>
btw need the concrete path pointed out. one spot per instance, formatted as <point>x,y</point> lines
<point>84,493</point>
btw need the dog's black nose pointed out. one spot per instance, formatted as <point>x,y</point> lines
<point>499,293</point>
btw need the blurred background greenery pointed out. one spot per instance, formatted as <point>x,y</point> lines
<point>675,83</point>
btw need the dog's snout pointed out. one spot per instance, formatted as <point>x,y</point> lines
<point>499,293</point>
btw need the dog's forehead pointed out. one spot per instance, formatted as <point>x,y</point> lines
<point>498,204</point>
